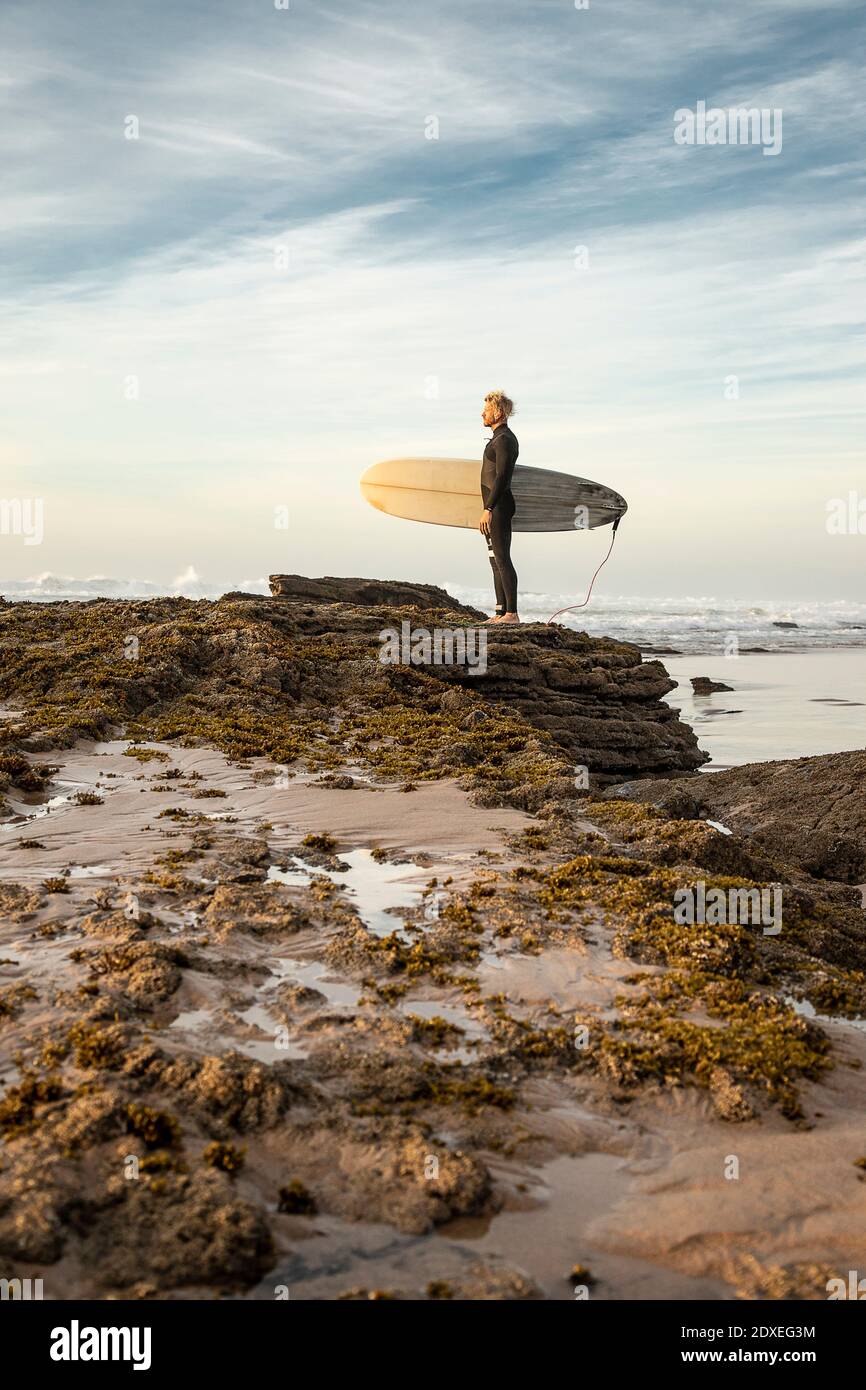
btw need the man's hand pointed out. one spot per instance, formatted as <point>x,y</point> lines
<point>484,523</point>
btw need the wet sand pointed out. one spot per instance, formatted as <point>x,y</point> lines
<point>634,1188</point>
<point>123,832</point>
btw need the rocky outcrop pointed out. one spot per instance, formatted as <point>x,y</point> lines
<point>596,697</point>
<point>277,678</point>
<point>389,593</point>
<point>702,685</point>
<point>808,811</point>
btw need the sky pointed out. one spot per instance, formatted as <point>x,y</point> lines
<point>246,251</point>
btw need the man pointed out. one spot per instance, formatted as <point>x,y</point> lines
<point>497,469</point>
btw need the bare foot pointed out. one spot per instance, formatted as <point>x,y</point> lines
<point>509,618</point>
<point>497,618</point>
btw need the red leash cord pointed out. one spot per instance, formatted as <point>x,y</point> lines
<point>573,606</point>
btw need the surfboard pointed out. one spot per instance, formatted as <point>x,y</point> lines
<point>447,492</point>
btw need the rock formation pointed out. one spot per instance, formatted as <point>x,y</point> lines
<point>808,811</point>
<point>394,593</point>
<point>277,677</point>
<point>596,697</point>
<point>702,685</point>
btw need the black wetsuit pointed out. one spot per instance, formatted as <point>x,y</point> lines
<point>497,469</point>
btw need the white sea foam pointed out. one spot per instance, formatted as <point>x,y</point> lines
<point>45,587</point>
<point>696,623</point>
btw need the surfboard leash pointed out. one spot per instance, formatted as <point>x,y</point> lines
<point>572,606</point>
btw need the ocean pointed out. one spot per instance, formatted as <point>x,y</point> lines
<point>797,669</point>
<point>697,623</point>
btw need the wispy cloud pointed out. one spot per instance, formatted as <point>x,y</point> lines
<point>282,278</point>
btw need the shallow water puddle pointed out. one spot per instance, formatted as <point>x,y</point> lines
<point>807,1010</point>
<point>315,975</point>
<point>274,1046</point>
<point>269,1048</point>
<point>473,1031</point>
<point>26,812</point>
<point>189,921</point>
<point>568,977</point>
<point>543,1232</point>
<point>548,1229</point>
<point>722,829</point>
<point>379,888</point>
<point>294,878</point>
<point>192,1019</point>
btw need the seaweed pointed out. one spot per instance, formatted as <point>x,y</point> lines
<point>295,1200</point>
<point>18,1108</point>
<point>156,1128</point>
<point>228,1158</point>
<point>96,1048</point>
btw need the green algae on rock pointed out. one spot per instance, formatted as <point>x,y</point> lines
<point>295,1200</point>
<point>270,678</point>
<point>717,971</point>
<point>228,1158</point>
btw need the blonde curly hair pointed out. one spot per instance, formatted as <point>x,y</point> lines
<point>504,404</point>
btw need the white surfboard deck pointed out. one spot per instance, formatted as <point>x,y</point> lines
<point>447,492</point>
